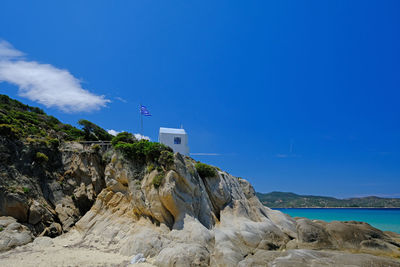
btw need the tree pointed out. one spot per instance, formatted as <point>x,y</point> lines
<point>123,137</point>
<point>94,132</point>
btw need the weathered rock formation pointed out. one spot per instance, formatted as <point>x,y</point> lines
<point>49,197</point>
<point>111,205</point>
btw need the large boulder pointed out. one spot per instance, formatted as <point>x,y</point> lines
<point>14,205</point>
<point>13,234</point>
<point>349,236</point>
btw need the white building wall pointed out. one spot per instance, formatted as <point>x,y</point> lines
<point>167,137</point>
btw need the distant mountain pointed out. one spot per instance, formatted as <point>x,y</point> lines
<point>292,200</point>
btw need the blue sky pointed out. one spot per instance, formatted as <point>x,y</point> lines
<point>298,96</point>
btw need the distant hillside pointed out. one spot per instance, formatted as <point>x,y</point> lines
<point>291,200</point>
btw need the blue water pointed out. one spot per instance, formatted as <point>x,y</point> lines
<point>383,219</point>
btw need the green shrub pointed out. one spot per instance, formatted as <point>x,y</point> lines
<point>166,158</point>
<point>93,132</point>
<point>8,131</point>
<point>152,150</point>
<point>54,143</point>
<point>4,119</point>
<point>205,170</point>
<point>53,121</point>
<point>150,168</point>
<point>26,190</point>
<point>38,142</point>
<point>96,147</point>
<point>128,150</point>
<point>72,133</point>
<point>1,229</point>
<point>41,157</point>
<point>123,137</point>
<point>142,151</point>
<point>157,180</point>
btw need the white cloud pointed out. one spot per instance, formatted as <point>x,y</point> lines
<point>113,132</point>
<point>8,51</point>
<point>137,135</point>
<point>46,84</point>
<point>140,137</point>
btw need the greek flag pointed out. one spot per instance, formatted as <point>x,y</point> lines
<point>144,111</point>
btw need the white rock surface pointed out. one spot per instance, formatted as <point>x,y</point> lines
<point>13,234</point>
<point>192,221</point>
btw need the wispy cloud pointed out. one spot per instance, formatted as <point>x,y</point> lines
<point>283,156</point>
<point>46,84</point>
<point>205,154</point>
<point>121,99</point>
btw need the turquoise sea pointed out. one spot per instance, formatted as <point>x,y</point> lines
<point>383,219</point>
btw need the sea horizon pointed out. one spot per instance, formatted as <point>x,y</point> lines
<point>385,219</point>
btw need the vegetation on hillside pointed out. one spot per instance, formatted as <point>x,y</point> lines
<point>33,125</point>
<point>20,121</point>
<point>291,200</point>
<point>94,132</point>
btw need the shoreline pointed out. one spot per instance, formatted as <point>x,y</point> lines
<point>337,208</point>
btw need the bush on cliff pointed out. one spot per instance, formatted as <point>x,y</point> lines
<point>166,158</point>
<point>8,131</point>
<point>96,148</point>
<point>41,157</point>
<point>205,170</point>
<point>157,180</point>
<point>123,137</point>
<point>54,143</point>
<point>142,151</point>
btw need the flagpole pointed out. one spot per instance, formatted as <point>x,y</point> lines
<point>141,119</point>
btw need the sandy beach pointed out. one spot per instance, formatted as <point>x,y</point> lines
<point>63,251</point>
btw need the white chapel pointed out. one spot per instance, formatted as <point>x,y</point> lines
<point>177,139</point>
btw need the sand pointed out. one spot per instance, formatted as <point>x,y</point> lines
<point>64,250</point>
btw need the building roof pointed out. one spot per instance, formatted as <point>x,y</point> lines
<point>172,130</point>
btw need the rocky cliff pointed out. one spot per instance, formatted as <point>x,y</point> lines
<point>101,202</point>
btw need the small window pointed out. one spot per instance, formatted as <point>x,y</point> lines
<point>177,140</point>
